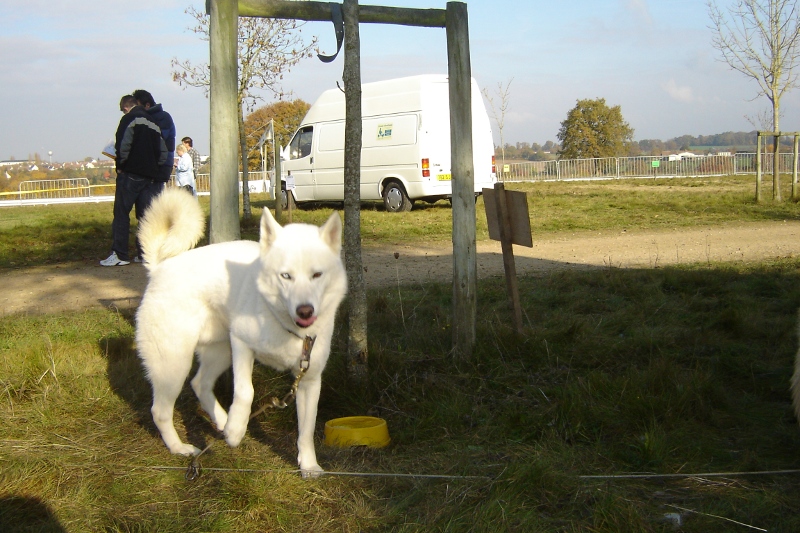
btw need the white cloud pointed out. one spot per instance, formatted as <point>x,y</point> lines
<point>640,10</point>
<point>679,93</point>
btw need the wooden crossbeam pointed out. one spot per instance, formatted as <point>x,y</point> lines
<point>321,11</point>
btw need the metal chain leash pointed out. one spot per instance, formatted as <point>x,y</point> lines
<point>193,470</point>
<point>283,403</point>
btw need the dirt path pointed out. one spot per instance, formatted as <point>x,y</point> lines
<point>80,285</point>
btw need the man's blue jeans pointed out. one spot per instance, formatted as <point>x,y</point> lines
<point>132,190</point>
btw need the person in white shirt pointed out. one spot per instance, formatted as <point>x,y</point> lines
<point>184,170</point>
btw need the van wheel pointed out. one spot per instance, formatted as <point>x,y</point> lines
<point>287,199</point>
<point>395,198</point>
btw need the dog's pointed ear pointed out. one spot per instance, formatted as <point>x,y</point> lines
<point>269,230</point>
<point>331,232</point>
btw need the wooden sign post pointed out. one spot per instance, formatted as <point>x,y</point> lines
<point>509,223</point>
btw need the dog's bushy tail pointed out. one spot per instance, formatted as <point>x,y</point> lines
<point>171,225</point>
<point>796,378</point>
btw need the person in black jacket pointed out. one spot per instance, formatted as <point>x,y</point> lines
<point>140,155</point>
<point>165,122</point>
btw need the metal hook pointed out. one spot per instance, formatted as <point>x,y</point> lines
<point>193,470</point>
<point>338,26</point>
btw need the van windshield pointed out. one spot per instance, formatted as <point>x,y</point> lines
<point>300,146</point>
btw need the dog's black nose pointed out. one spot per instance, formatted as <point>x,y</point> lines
<point>305,311</point>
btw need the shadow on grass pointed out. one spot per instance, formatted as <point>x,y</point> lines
<point>664,371</point>
<point>25,513</point>
<point>126,376</point>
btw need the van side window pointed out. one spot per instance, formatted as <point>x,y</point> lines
<point>300,146</point>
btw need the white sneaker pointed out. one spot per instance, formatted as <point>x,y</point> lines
<point>113,261</point>
<point>139,259</point>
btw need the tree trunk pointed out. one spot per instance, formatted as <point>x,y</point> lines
<point>245,181</point>
<point>357,353</point>
<point>776,171</point>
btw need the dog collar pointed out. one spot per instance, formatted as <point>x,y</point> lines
<point>308,344</point>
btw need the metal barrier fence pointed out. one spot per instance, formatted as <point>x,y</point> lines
<point>65,188</point>
<point>641,167</point>
<point>533,171</point>
<point>81,188</point>
<point>258,182</point>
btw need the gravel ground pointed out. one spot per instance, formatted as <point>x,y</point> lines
<point>75,286</point>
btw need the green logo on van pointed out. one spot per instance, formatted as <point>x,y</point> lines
<point>384,131</point>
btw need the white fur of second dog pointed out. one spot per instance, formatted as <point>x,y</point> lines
<point>796,378</point>
<point>233,303</point>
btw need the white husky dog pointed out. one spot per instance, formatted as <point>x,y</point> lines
<point>233,303</point>
<point>796,379</point>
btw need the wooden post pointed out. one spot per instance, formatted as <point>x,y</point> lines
<point>794,166</point>
<point>276,148</point>
<point>357,291</point>
<point>223,49</point>
<point>506,245</point>
<point>454,18</point>
<point>465,279</point>
<point>758,167</point>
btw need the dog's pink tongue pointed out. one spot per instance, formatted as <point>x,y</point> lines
<point>305,322</point>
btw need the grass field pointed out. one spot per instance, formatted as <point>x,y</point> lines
<point>60,233</point>
<point>669,371</point>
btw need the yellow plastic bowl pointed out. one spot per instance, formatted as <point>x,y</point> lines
<point>357,431</point>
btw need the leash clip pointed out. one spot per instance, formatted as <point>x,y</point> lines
<point>305,356</point>
<point>193,470</point>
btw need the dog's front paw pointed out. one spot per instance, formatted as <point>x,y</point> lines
<point>184,449</point>
<point>312,472</point>
<point>220,420</point>
<point>234,434</point>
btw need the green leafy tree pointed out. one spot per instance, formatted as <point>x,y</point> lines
<point>592,129</point>
<point>286,117</point>
<point>268,48</point>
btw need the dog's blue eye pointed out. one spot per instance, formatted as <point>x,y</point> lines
<point>286,275</point>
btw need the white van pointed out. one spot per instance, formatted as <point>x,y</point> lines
<point>405,153</point>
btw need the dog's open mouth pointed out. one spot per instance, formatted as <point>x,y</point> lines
<point>305,322</point>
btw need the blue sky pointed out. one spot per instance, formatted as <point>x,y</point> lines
<point>65,65</point>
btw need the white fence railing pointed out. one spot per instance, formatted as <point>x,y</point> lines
<point>64,188</point>
<point>641,167</point>
<point>257,182</point>
<point>533,171</point>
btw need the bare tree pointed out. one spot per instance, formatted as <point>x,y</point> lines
<point>499,112</point>
<point>761,39</point>
<point>762,121</point>
<point>267,49</point>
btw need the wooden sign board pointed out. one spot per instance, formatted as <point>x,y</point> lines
<point>517,203</point>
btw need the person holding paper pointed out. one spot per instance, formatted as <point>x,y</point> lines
<point>141,153</point>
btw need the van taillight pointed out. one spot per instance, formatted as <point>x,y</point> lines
<point>494,168</point>
<point>426,168</point>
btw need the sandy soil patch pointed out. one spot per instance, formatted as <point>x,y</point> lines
<point>73,286</point>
